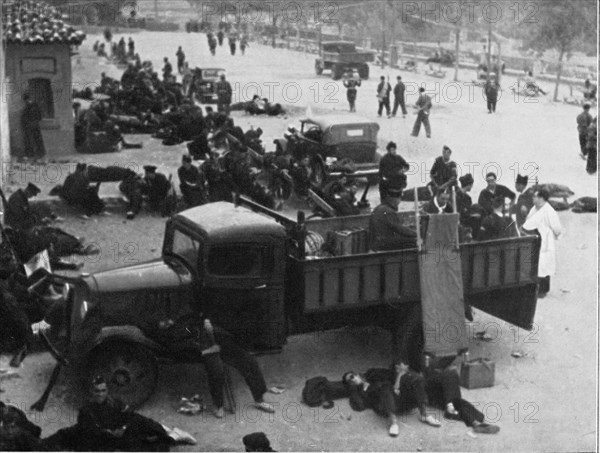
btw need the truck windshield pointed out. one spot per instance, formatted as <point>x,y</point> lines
<point>186,248</point>
<point>240,261</point>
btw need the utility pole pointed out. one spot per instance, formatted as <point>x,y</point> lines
<point>4,126</point>
<point>489,51</point>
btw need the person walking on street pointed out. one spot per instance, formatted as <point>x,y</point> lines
<point>491,94</point>
<point>383,96</point>
<point>351,83</point>
<point>399,90</point>
<point>584,119</point>
<point>180,60</point>
<point>424,106</point>
<point>32,133</point>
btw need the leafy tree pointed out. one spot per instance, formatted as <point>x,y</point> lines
<point>562,26</point>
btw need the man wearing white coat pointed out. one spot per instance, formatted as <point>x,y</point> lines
<point>544,219</point>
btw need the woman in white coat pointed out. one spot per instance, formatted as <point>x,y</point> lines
<point>543,218</point>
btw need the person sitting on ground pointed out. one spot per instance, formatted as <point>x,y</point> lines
<point>107,424</point>
<point>77,192</point>
<point>385,230</point>
<point>257,442</point>
<point>440,204</point>
<point>442,385</point>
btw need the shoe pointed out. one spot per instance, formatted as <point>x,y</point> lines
<point>265,407</point>
<point>429,136</point>
<point>413,135</point>
<point>394,430</point>
<point>218,412</point>
<point>451,415</point>
<point>429,420</point>
<point>484,428</point>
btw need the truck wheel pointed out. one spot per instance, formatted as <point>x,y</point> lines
<point>129,369</point>
<point>318,68</point>
<point>337,71</point>
<point>363,72</point>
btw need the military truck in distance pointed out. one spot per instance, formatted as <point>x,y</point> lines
<point>338,56</point>
<point>247,268</point>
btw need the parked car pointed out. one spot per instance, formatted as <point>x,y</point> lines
<point>204,84</point>
<point>332,137</point>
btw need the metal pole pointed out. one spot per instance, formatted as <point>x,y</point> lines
<point>489,51</point>
<point>4,125</point>
<point>419,241</point>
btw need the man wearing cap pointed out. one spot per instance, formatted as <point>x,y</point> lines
<point>423,105</point>
<point>399,90</point>
<point>19,214</point>
<point>524,201</point>
<point>584,119</point>
<point>224,92</point>
<point>191,183</point>
<point>156,187</point>
<point>443,174</point>
<point>491,90</point>
<point>385,230</point>
<point>257,442</point>
<point>32,134</point>
<point>391,171</point>
<point>493,190</point>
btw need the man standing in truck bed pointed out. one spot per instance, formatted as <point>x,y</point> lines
<point>385,230</point>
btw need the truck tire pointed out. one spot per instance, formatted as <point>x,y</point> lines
<point>318,67</point>
<point>129,369</point>
<point>363,72</point>
<point>337,71</point>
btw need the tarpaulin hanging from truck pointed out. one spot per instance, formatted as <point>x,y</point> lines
<point>442,299</point>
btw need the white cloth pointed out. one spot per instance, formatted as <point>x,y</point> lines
<point>546,221</point>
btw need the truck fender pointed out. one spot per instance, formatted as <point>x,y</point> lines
<point>281,145</point>
<point>125,333</point>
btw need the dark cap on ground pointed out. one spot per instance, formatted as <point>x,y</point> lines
<point>257,442</point>
<point>150,168</point>
<point>466,180</point>
<point>33,188</point>
<point>522,179</point>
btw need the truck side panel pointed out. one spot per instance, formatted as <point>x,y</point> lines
<point>499,277</point>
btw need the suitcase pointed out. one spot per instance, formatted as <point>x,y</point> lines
<point>359,241</point>
<point>342,242</point>
<point>477,373</point>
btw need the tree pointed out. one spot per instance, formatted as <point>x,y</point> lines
<point>562,25</point>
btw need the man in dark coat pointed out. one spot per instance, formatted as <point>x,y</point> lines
<point>180,60</point>
<point>351,84</point>
<point>19,214</point>
<point>32,133</point>
<point>424,106</point>
<point>385,230</point>
<point>77,192</point>
<point>443,173</point>
<point>156,188</point>
<point>492,89</point>
<point>17,433</point>
<point>391,171</point>
<point>592,147</point>
<point>224,92</point>
<point>383,96</point>
<point>496,225</point>
<point>493,190</point>
<point>191,183</point>
<point>132,188</point>
<point>399,90</point>
<point>584,119</point>
<point>524,201</point>
<point>167,70</point>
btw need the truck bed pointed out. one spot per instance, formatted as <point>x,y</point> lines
<point>353,57</point>
<point>499,276</point>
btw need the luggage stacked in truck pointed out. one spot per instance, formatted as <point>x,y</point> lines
<point>348,242</point>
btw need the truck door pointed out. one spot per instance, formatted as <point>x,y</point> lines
<point>244,293</point>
